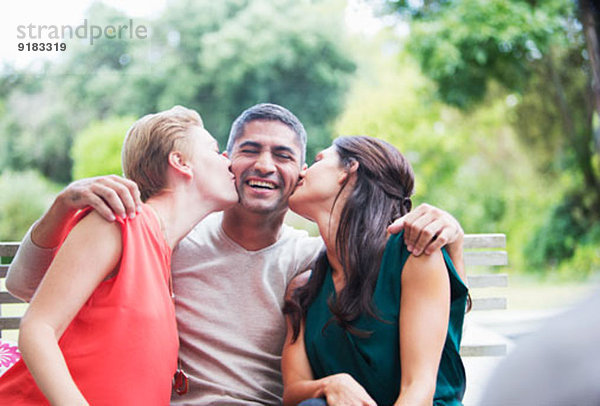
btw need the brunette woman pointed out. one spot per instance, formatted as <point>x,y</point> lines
<point>373,324</point>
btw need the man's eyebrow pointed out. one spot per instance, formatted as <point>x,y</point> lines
<point>283,148</point>
<point>277,148</point>
<point>251,144</point>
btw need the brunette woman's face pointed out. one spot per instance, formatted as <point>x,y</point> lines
<point>319,185</point>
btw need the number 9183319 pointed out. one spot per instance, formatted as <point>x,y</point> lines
<point>41,46</point>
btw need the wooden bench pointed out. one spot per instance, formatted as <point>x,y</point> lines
<point>7,251</point>
<point>484,250</point>
<point>480,250</point>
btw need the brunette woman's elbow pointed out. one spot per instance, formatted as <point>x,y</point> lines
<point>288,399</point>
<point>294,395</point>
<point>416,395</point>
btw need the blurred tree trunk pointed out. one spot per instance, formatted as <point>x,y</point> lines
<point>589,17</point>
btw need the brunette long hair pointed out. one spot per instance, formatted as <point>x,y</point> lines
<point>384,184</point>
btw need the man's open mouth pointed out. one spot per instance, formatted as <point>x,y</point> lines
<point>261,184</point>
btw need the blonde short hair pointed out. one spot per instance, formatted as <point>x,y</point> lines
<point>148,143</point>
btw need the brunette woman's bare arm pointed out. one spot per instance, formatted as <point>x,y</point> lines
<point>424,314</point>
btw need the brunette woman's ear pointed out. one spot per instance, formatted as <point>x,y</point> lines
<point>353,167</point>
<point>348,172</point>
<point>179,163</point>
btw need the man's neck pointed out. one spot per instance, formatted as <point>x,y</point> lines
<point>252,231</point>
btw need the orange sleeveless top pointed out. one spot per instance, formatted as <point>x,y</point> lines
<point>121,347</point>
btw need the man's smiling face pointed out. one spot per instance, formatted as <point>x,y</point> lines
<point>266,161</point>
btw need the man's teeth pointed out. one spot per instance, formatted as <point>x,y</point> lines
<point>262,184</point>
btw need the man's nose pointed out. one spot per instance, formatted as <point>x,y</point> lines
<point>264,163</point>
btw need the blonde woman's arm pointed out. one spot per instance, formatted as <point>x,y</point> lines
<point>89,254</point>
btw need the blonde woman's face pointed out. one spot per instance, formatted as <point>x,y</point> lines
<point>211,169</point>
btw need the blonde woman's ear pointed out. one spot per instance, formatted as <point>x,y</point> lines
<point>179,163</point>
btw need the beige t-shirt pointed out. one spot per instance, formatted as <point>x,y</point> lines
<point>228,304</point>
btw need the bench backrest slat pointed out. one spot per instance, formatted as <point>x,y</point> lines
<point>488,281</point>
<point>480,250</point>
<point>3,271</point>
<point>8,249</point>
<point>472,241</point>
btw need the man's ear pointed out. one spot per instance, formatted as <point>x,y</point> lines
<point>179,163</point>
<point>348,172</point>
<point>302,173</point>
<point>303,170</point>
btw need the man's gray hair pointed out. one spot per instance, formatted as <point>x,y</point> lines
<point>267,111</point>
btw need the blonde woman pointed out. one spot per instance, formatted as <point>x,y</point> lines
<point>101,327</point>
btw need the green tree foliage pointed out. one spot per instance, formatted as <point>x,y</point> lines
<point>218,57</point>
<point>25,197</point>
<point>97,149</point>
<point>463,44</point>
<point>536,50</point>
<point>35,126</point>
<point>467,163</point>
<point>238,53</point>
<point>222,57</point>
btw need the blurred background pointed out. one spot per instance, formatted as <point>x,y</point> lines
<point>495,103</point>
<point>491,100</point>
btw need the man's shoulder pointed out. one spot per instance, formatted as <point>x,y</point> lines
<point>294,236</point>
<point>289,232</point>
<point>300,246</point>
<point>208,229</point>
<point>205,236</point>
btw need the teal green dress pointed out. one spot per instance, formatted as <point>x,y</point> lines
<point>374,361</point>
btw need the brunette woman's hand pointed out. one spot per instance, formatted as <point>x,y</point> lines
<point>110,196</point>
<point>427,229</point>
<point>343,390</point>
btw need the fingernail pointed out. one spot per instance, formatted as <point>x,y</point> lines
<point>112,218</point>
<point>138,209</point>
<point>132,216</point>
<point>409,248</point>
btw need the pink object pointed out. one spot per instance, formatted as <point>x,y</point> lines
<point>9,354</point>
